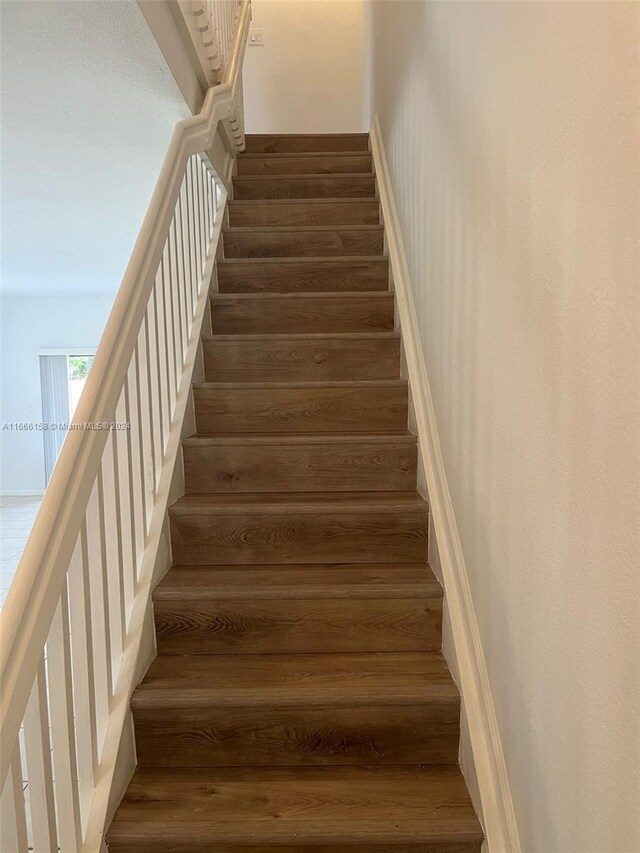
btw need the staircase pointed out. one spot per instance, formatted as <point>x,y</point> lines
<point>299,700</point>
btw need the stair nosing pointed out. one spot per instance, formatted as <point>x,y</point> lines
<point>306,259</point>
<point>322,200</point>
<point>304,177</point>
<point>337,384</point>
<point>254,155</point>
<point>307,294</point>
<point>307,229</point>
<point>329,695</point>
<point>312,439</point>
<point>297,336</point>
<point>306,503</point>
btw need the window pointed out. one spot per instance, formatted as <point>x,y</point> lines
<point>62,378</point>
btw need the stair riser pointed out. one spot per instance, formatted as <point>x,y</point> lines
<point>282,410</point>
<point>303,276</point>
<point>297,736</point>
<point>325,537</point>
<point>304,213</point>
<point>302,244</point>
<point>329,186</point>
<point>316,164</point>
<point>233,315</point>
<point>227,469</point>
<point>300,360</point>
<point>289,626</point>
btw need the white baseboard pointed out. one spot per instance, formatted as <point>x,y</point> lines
<point>488,770</point>
<point>22,493</point>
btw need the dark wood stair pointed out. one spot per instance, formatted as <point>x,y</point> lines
<point>299,702</point>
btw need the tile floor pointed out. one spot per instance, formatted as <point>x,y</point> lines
<point>17,515</point>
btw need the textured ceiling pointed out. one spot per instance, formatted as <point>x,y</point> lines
<point>88,107</point>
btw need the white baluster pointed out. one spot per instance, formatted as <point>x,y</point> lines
<point>93,564</point>
<point>13,821</point>
<point>63,732</point>
<point>168,334</point>
<point>155,393</point>
<point>83,678</point>
<point>145,423</point>
<point>39,772</point>
<point>128,509</point>
<point>112,555</point>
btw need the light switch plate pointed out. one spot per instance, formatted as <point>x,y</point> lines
<point>256,37</point>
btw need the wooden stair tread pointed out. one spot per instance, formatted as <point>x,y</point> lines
<point>308,260</point>
<point>294,176</point>
<point>295,143</point>
<point>361,580</point>
<point>259,807</point>
<point>350,383</point>
<point>304,229</point>
<point>295,336</point>
<point>244,202</point>
<point>311,502</point>
<point>283,155</point>
<point>300,438</point>
<point>220,298</point>
<point>285,680</point>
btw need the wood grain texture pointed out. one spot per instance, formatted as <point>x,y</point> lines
<point>312,357</point>
<point>255,582</point>
<point>286,626</point>
<point>311,465</point>
<point>297,313</point>
<point>309,163</point>
<point>301,407</point>
<point>302,241</point>
<point>292,680</point>
<point>354,809</point>
<point>305,212</point>
<point>305,186</point>
<point>340,527</point>
<point>305,735</point>
<point>299,702</point>
<point>289,275</point>
<point>265,143</point>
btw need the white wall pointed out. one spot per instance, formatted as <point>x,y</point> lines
<point>27,325</point>
<point>88,108</point>
<point>308,76</point>
<point>512,131</point>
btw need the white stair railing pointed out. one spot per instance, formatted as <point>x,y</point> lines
<point>71,627</point>
<point>212,25</point>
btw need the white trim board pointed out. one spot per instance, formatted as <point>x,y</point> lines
<point>498,815</point>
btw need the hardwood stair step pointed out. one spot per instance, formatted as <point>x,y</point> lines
<point>304,464</point>
<point>260,610</point>
<point>294,143</point>
<point>258,583</point>
<point>304,186</point>
<point>284,407</point>
<point>297,810</point>
<point>288,709</point>
<point>298,313</point>
<point>327,211</point>
<point>288,275</point>
<point>291,680</point>
<point>310,357</point>
<point>278,528</point>
<point>303,241</point>
<point>304,163</point>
